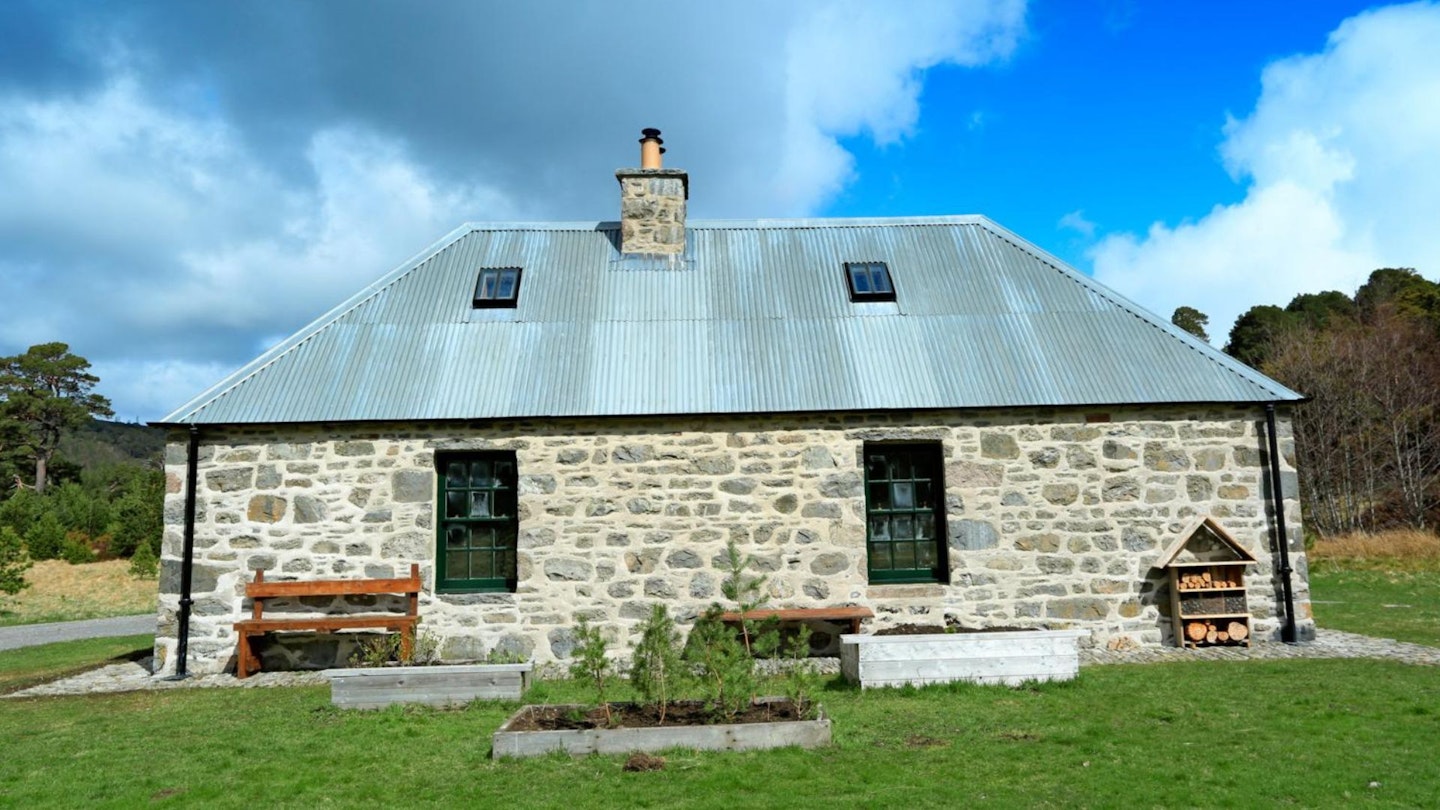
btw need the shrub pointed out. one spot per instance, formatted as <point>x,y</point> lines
<point>590,663</point>
<point>13,562</point>
<point>46,537</point>
<point>21,510</point>
<point>76,549</point>
<point>656,670</point>
<point>144,564</point>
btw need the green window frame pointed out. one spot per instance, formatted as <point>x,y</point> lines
<point>904,513</point>
<point>478,522</point>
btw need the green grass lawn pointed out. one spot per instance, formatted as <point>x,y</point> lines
<point>1213,734</point>
<point>1403,605</point>
<point>28,666</point>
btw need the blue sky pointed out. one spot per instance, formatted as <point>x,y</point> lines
<point>182,184</point>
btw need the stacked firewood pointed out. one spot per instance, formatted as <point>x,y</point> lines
<point>1191,582</point>
<point>1208,632</point>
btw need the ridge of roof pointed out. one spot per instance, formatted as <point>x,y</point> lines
<point>738,224</point>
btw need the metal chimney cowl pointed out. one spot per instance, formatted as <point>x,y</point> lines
<point>652,202</point>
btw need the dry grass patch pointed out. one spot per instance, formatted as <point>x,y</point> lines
<point>61,592</point>
<point>1401,549</point>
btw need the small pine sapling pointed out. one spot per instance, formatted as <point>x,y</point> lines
<point>747,592</point>
<point>590,663</point>
<point>801,678</point>
<point>656,670</point>
<point>724,671</point>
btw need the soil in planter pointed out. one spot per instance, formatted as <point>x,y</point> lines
<point>930,629</point>
<point>630,715</point>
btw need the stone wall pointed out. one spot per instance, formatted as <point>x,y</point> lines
<point>1052,520</point>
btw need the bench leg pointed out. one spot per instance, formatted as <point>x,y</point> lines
<point>242,662</point>
<point>407,644</point>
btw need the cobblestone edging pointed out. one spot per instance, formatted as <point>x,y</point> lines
<point>133,676</point>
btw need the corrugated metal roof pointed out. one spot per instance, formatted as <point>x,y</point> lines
<point>755,317</point>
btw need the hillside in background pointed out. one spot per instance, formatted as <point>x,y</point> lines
<point>102,444</point>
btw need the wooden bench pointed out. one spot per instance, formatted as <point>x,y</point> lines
<point>260,590</point>
<point>853,614</point>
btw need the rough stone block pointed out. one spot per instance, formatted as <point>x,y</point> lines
<point>231,480</point>
<point>829,564</point>
<point>309,509</point>
<point>266,509</point>
<point>973,535</point>
<point>998,445</point>
<point>412,486</point>
<point>1060,494</point>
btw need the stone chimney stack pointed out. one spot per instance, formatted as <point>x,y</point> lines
<point>652,202</point>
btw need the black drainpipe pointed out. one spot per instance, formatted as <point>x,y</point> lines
<point>1287,634</point>
<point>187,555</point>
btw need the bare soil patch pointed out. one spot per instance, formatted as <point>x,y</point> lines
<point>631,715</point>
<point>933,629</point>
<point>61,592</point>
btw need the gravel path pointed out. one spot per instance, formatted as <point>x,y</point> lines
<point>133,676</point>
<point>29,635</point>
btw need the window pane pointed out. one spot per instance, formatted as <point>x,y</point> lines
<point>925,526</point>
<point>902,527</point>
<point>455,474</point>
<point>904,495</point>
<point>924,555</point>
<point>507,285</point>
<point>480,474</point>
<point>504,473</point>
<point>507,565</point>
<point>484,567</point>
<point>456,505</point>
<point>504,536</point>
<point>904,555</point>
<point>900,466</point>
<point>457,565</point>
<point>923,495</point>
<point>879,496</point>
<point>480,504</point>
<point>877,469</point>
<point>879,278</point>
<point>457,537</point>
<point>859,279</point>
<point>879,528</point>
<point>880,556</point>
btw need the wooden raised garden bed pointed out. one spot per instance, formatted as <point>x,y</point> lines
<point>1010,657</point>
<point>444,685</point>
<point>578,730</point>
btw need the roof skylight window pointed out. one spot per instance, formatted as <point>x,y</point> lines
<point>497,287</point>
<point>869,281</point>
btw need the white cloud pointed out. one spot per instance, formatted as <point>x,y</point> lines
<point>165,217</point>
<point>1343,177</point>
<point>857,68</point>
<point>1076,221</point>
<point>152,240</point>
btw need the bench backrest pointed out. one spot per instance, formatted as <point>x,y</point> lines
<point>260,590</point>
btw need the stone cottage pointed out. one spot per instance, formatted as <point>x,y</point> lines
<point>929,417</point>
